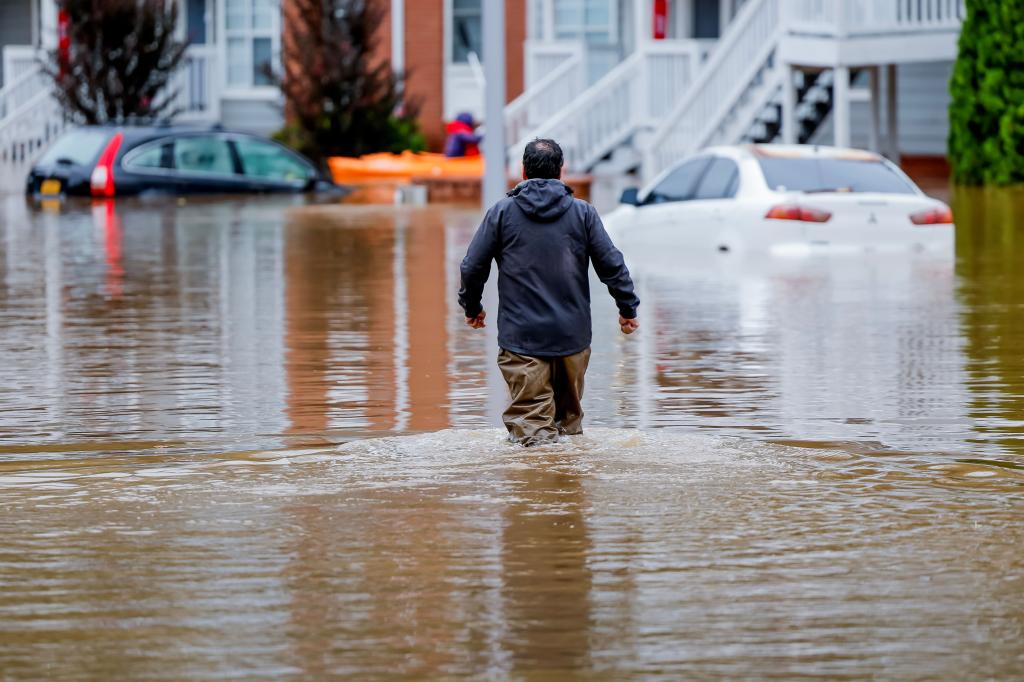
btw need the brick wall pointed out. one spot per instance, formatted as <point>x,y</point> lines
<point>515,39</point>
<point>424,60</point>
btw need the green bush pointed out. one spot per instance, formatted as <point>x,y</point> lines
<point>986,114</point>
<point>394,135</point>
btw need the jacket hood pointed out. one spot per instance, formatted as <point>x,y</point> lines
<point>542,200</point>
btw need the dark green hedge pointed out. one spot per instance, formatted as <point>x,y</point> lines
<point>986,114</point>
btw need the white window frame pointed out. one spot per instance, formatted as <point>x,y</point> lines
<point>248,33</point>
<point>450,17</point>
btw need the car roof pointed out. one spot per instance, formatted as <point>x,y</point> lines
<point>135,133</point>
<point>808,151</point>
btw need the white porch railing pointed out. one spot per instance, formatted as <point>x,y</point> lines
<point>24,134</point>
<point>851,18</point>
<point>17,61</point>
<point>741,60</point>
<point>634,94</point>
<point>23,87</point>
<point>543,57</point>
<point>548,96</point>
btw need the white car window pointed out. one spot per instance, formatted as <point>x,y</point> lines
<point>679,184</point>
<point>719,181</point>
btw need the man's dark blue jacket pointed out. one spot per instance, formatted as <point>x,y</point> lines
<point>543,241</point>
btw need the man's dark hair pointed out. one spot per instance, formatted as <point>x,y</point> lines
<point>542,159</point>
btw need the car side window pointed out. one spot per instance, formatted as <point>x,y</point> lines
<point>720,180</point>
<point>679,184</point>
<point>203,154</point>
<point>154,156</point>
<point>270,162</point>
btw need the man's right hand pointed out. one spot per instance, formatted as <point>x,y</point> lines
<point>628,325</point>
<point>478,321</point>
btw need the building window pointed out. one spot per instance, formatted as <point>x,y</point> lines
<point>252,29</point>
<point>467,30</point>
<point>592,20</point>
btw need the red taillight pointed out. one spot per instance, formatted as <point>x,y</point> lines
<point>801,213</point>
<point>102,180</point>
<point>933,216</point>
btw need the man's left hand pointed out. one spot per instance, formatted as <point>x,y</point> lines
<point>628,325</point>
<point>478,321</point>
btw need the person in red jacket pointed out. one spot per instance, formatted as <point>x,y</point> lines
<point>462,138</point>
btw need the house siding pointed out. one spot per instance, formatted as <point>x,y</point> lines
<point>923,110</point>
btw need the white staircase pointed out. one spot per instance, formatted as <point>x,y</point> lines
<point>589,123</point>
<point>731,89</point>
<point>726,101</point>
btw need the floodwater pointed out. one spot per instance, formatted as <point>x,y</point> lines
<point>253,440</point>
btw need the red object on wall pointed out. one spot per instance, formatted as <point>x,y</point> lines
<point>660,19</point>
<point>63,40</point>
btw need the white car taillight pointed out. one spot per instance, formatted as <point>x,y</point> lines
<point>933,216</point>
<point>795,212</point>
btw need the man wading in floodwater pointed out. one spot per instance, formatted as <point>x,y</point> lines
<point>543,241</point>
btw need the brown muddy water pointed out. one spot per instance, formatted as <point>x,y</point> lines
<point>252,440</point>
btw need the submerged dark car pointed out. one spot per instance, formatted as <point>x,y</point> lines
<point>106,161</point>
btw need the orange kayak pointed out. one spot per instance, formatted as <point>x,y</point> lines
<point>402,168</point>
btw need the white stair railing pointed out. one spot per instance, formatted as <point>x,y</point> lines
<point>552,93</point>
<point>21,89</point>
<point>30,119</point>
<point>631,96</point>
<point>25,133</point>
<point>726,93</point>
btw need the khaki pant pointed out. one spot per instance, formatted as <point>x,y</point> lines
<point>546,394</point>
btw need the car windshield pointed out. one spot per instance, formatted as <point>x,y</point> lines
<point>832,175</point>
<point>79,147</point>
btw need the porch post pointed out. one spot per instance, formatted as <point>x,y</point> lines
<point>398,35</point>
<point>643,19</point>
<point>47,24</point>
<point>876,108</point>
<point>891,108</point>
<point>789,132</point>
<point>494,186</point>
<point>841,106</point>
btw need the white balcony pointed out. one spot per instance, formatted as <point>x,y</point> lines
<point>826,33</point>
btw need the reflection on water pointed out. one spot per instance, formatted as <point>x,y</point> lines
<point>256,436</point>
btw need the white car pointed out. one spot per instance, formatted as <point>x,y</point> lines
<point>783,199</point>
